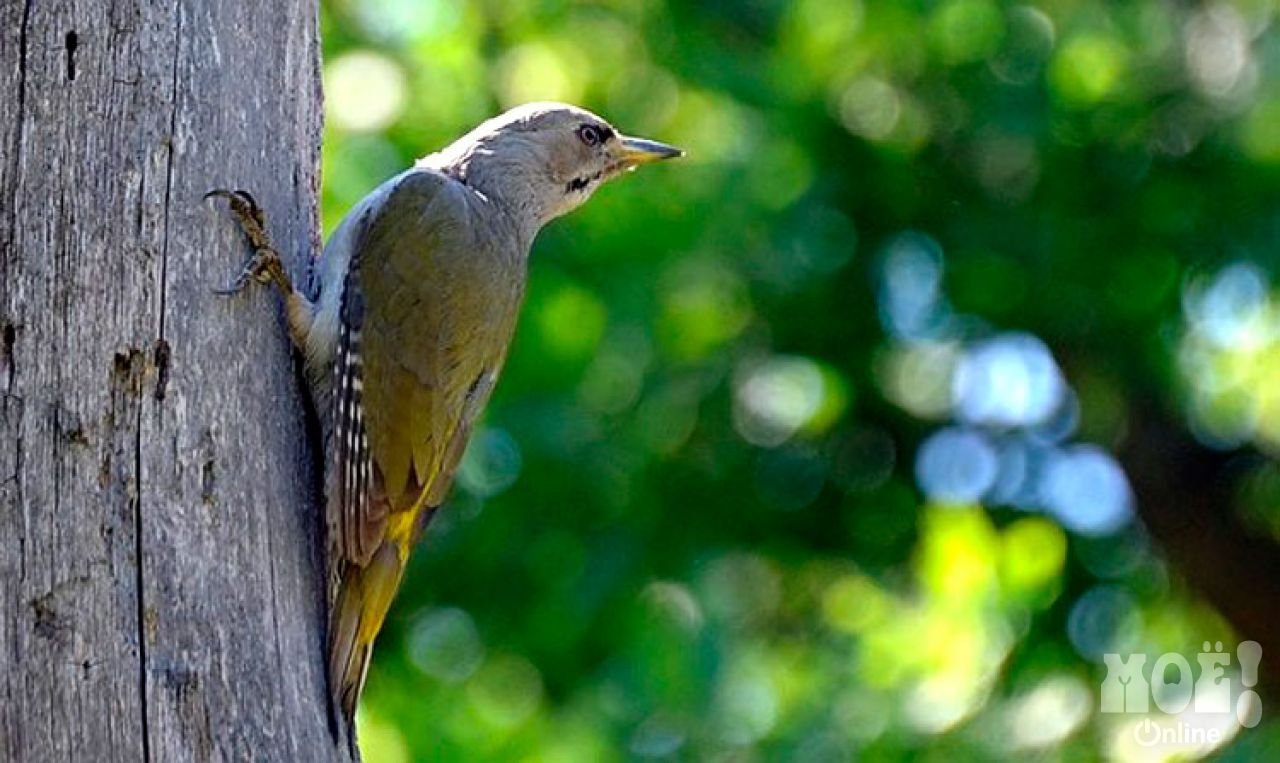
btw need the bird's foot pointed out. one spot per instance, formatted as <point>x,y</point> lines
<point>264,265</point>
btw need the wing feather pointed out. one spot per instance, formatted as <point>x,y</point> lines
<point>424,315</point>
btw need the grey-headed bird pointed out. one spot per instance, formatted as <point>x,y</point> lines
<point>405,330</point>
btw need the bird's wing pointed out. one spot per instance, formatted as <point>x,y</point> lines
<point>400,376</point>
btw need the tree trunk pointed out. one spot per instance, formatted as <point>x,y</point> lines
<point>160,579</point>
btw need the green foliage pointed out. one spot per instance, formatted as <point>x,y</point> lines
<point>749,487</point>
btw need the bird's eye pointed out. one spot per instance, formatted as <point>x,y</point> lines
<point>591,135</point>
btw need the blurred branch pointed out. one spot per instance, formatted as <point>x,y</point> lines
<point>1185,496</point>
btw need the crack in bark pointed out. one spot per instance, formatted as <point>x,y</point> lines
<point>138,582</point>
<point>18,457</point>
<point>168,182</point>
<point>162,358</point>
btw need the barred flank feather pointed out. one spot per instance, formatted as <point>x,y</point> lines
<point>355,515</point>
<point>352,443</point>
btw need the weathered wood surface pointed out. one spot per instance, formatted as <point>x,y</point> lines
<point>160,590</point>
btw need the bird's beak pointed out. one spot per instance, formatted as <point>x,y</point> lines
<point>637,151</point>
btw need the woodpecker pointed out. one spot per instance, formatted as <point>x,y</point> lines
<point>405,329</point>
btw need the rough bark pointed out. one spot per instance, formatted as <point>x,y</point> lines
<point>160,585</point>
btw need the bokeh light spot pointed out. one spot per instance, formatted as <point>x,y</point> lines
<point>774,399</point>
<point>400,21</point>
<point>820,34</point>
<point>1032,554</point>
<point>444,644</point>
<point>1259,137</point>
<point>364,91</point>
<point>571,320</point>
<point>1010,380</point>
<point>854,603</point>
<point>746,706</point>
<point>870,107</point>
<point>966,30</point>
<point>614,379</point>
<point>704,304</point>
<point>1086,490</point>
<point>1088,68</point>
<point>490,464</point>
<point>1031,36</point>
<point>1105,619</point>
<point>1049,713</point>
<point>740,589</point>
<point>959,553</point>
<point>956,466</point>
<point>780,175</point>
<point>917,377</point>
<point>674,603</point>
<point>539,71</point>
<point>1218,54</point>
<point>658,737</point>
<point>506,691</point>
<point>1231,309</point>
<point>911,286</point>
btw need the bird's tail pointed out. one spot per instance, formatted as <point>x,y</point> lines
<point>363,598</point>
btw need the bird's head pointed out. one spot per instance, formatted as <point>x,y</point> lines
<point>547,158</point>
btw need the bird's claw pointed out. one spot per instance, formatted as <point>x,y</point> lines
<point>243,205</point>
<point>265,265</point>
